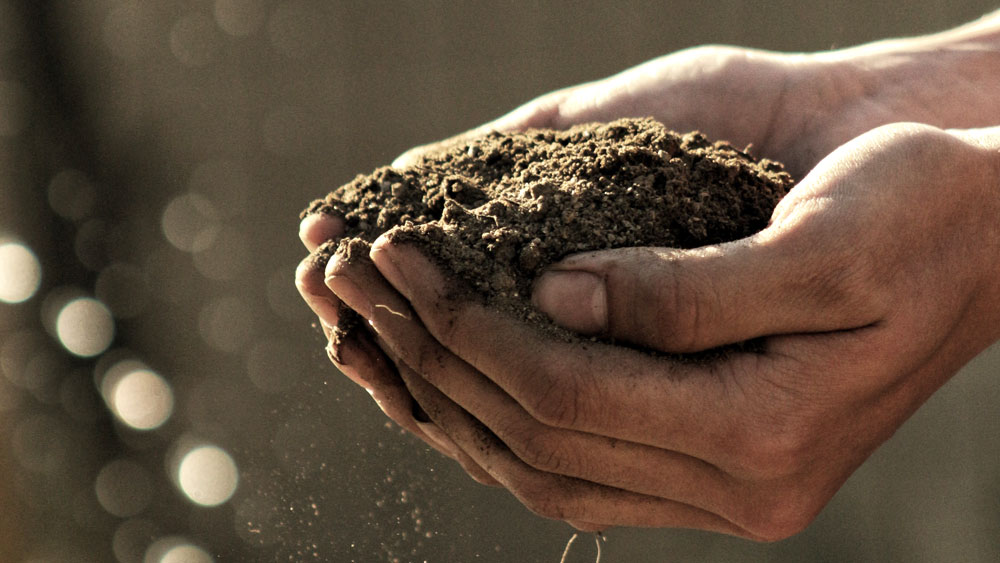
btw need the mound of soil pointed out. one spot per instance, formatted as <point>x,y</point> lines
<point>496,211</point>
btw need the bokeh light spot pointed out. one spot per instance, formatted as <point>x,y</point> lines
<point>223,180</point>
<point>39,443</point>
<point>20,273</point>
<point>17,350</point>
<point>176,550</point>
<point>190,222</point>
<point>84,327</point>
<point>226,324</point>
<point>71,194</point>
<point>186,554</point>
<point>207,475</point>
<point>43,375</point>
<point>194,40</point>
<point>124,488</point>
<point>239,18</point>
<point>142,399</point>
<point>130,30</point>
<point>226,258</point>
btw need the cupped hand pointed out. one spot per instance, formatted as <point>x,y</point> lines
<point>791,107</point>
<point>796,108</point>
<point>358,353</point>
<point>746,96</point>
<point>874,283</point>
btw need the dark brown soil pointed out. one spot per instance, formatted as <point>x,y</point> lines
<point>496,211</point>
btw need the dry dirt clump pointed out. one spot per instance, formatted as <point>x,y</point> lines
<point>494,212</point>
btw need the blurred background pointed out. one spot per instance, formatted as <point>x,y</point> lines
<point>164,396</point>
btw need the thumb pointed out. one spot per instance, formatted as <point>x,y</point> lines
<point>692,300</point>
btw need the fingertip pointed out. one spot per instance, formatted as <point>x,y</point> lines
<point>302,272</point>
<point>319,227</point>
<point>408,158</point>
<point>310,283</point>
<point>392,260</point>
<point>575,300</point>
<point>382,244</point>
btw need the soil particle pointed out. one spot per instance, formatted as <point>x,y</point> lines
<point>496,211</point>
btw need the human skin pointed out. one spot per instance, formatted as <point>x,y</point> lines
<point>872,285</point>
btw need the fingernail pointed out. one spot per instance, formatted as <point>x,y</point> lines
<point>350,294</point>
<point>575,300</point>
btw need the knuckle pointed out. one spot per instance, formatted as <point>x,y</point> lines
<point>680,313</point>
<point>428,361</point>
<point>780,514</point>
<point>442,319</point>
<point>847,280</point>
<point>553,402</point>
<point>541,450</point>
<point>663,305</point>
<point>778,451</point>
<point>844,277</point>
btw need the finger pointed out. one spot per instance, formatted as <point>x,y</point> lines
<point>551,495</point>
<point>444,444</point>
<point>359,358</point>
<point>318,227</point>
<point>692,300</point>
<point>617,463</point>
<point>477,473</point>
<point>309,280</point>
<point>361,361</point>
<point>686,407</point>
<point>386,387</point>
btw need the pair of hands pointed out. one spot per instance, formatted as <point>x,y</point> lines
<point>872,285</point>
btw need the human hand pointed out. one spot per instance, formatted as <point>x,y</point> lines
<point>795,108</point>
<point>358,354</point>
<point>874,283</point>
<point>733,93</point>
<point>792,107</point>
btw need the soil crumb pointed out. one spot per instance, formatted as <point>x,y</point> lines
<point>494,212</point>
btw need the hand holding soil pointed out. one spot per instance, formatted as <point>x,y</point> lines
<point>872,285</point>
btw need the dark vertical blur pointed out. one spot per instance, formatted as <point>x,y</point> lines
<point>163,397</point>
